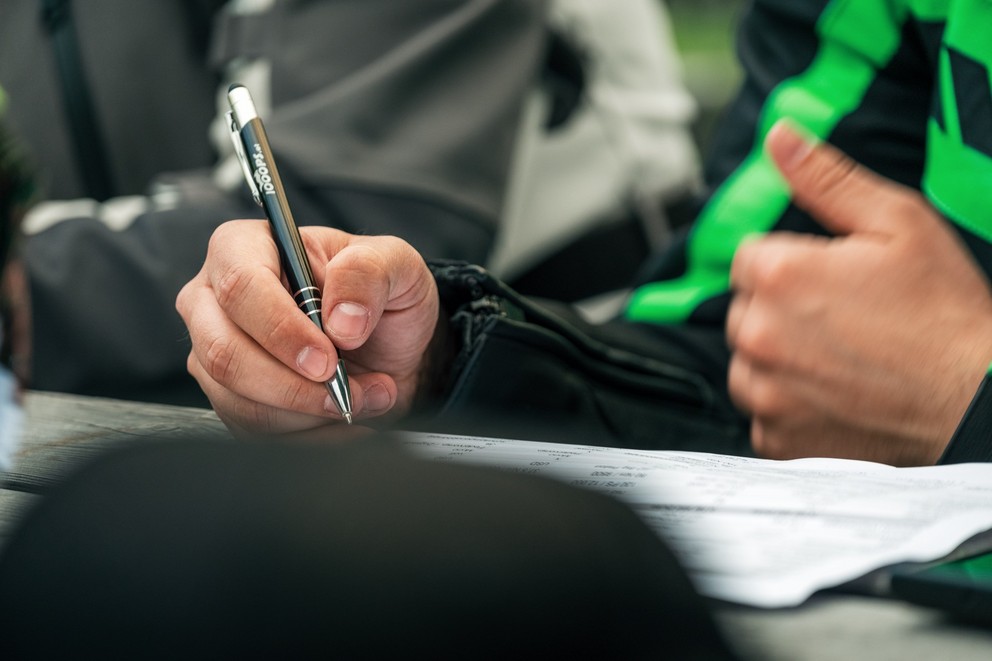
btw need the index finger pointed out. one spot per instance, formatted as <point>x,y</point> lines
<point>244,272</point>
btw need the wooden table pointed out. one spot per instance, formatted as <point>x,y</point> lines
<point>63,430</point>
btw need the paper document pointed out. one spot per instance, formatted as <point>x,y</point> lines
<point>761,532</point>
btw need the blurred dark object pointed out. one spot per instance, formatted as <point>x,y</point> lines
<point>212,550</point>
<point>82,117</point>
<point>16,191</point>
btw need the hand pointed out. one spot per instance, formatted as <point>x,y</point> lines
<point>263,364</point>
<point>867,345</point>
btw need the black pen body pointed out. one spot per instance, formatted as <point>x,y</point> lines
<point>295,264</point>
<point>255,155</point>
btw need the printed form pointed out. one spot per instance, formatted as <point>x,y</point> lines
<point>755,531</point>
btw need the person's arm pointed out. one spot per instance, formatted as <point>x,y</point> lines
<point>827,366</point>
<point>827,68</point>
<point>444,345</point>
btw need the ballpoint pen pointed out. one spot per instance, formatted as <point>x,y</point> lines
<point>252,147</point>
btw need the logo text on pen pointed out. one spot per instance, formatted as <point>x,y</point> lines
<point>262,176</point>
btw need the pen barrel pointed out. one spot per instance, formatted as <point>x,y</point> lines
<point>308,300</point>
<point>292,254</point>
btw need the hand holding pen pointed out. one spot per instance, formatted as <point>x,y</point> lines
<point>252,147</point>
<point>263,365</point>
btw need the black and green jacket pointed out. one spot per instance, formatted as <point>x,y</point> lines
<point>902,86</point>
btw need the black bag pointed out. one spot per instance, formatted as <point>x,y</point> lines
<point>527,370</point>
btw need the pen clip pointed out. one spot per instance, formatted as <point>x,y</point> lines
<point>239,149</point>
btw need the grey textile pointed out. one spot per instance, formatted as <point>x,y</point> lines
<point>386,117</point>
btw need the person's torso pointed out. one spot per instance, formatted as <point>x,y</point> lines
<point>902,87</point>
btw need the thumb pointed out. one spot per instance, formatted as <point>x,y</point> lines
<point>841,195</point>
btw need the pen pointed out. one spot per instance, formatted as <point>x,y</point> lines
<point>252,147</point>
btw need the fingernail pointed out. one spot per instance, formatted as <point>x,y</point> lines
<point>313,362</point>
<point>792,144</point>
<point>376,398</point>
<point>348,320</point>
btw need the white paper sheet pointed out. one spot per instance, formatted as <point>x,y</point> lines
<point>760,532</point>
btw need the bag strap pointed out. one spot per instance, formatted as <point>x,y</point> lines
<point>91,158</point>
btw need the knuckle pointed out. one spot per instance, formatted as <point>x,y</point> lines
<point>356,271</point>
<point>297,394</point>
<point>186,298</point>
<point>192,365</point>
<point>396,245</point>
<point>220,360</point>
<point>182,299</point>
<point>225,232</point>
<point>765,398</point>
<point>757,338</point>
<point>372,259</point>
<point>222,237</point>
<point>776,271</point>
<point>231,285</point>
<point>278,330</point>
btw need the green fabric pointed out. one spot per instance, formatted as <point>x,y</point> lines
<point>857,38</point>
<point>958,178</point>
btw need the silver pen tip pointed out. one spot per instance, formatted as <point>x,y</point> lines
<point>340,391</point>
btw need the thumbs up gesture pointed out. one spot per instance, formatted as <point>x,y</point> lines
<point>868,344</point>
